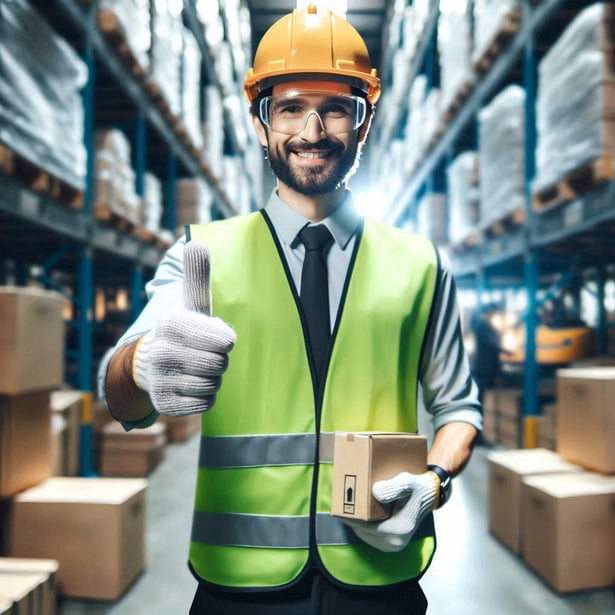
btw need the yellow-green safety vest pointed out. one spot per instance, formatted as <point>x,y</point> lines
<point>263,495</point>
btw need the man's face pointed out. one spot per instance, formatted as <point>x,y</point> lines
<point>312,161</point>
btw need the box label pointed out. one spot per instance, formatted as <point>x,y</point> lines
<point>350,492</point>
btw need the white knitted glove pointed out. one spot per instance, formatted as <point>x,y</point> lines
<point>413,497</point>
<point>181,361</point>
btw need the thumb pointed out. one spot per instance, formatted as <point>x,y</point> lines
<point>197,295</point>
<point>399,486</point>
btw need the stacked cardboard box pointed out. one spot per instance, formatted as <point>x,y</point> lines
<point>93,527</point>
<point>193,202</point>
<point>31,363</point>
<point>569,529</point>
<point>586,417</point>
<point>546,426</point>
<point>130,453</point>
<point>28,586</point>
<point>67,409</point>
<point>181,428</point>
<point>506,470</point>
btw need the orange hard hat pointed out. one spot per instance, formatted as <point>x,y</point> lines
<point>312,41</point>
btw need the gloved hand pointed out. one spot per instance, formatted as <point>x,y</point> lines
<point>413,497</point>
<point>181,361</point>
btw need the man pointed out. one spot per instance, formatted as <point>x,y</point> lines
<point>486,362</point>
<point>263,539</point>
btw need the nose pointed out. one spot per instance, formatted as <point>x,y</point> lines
<point>313,127</point>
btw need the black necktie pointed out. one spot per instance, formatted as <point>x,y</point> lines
<point>314,292</point>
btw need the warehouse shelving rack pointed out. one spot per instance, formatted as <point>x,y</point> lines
<point>575,234</point>
<point>71,250</point>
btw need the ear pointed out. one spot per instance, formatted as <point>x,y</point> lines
<point>261,133</point>
<point>365,127</point>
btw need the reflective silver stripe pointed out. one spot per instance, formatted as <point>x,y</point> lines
<point>278,532</point>
<point>274,532</point>
<point>263,450</point>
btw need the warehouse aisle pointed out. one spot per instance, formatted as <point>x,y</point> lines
<point>472,574</point>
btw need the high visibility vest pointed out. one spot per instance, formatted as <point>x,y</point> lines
<point>263,495</point>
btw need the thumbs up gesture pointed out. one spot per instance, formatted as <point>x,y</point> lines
<point>181,361</point>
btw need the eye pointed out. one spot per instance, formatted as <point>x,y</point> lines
<point>336,109</point>
<point>289,109</point>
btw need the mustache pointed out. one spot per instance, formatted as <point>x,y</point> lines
<point>301,146</point>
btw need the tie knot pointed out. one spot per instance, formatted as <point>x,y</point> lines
<point>316,237</point>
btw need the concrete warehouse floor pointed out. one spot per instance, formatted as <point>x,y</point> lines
<point>472,573</point>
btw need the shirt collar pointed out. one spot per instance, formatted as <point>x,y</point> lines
<point>343,222</point>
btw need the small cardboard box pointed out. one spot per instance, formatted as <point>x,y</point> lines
<point>585,426</point>
<point>569,537</point>
<point>130,453</point>
<point>31,340</point>
<point>25,441</point>
<point>361,459</point>
<point>506,470</point>
<point>93,527</point>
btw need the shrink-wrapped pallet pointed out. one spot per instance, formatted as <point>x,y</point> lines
<point>463,200</point>
<point>191,88</point>
<point>454,47</point>
<point>167,44</point>
<point>501,127</point>
<point>129,19</point>
<point>493,19</point>
<point>41,109</point>
<point>193,202</point>
<point>575,108</point>
<point>432,218</point>
<point>413,134</point>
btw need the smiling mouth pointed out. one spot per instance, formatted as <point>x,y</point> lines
<point>320,155</point>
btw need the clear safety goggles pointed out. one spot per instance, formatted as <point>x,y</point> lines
<point>289,113</point>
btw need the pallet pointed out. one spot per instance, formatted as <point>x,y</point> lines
<point>575,183</point>
<point>38,179</point>
<point>467,243</point>
<point>108,215</point>
<point>151,238</point>
<point>462,94</point>
<point>112,29</point>
<point>511,23</point>
<point>507,222</point>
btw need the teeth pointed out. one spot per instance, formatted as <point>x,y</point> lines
<point>312,155</point>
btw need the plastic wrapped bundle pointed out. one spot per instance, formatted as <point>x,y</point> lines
<point>191,88</point>
<point>413,133</point>
<point>193,202</point>
<point>493,18</point>
<point>167,44</point>
<point>213,130</point>
<point>432,115</point>
<point>463,196</point>
<point>131,19</point>
<point>454,46</point>
<point>501,155</point>
<point>152,202</point>
<point>432,218</point>
<point>41,110</point>
<point>574,108</point>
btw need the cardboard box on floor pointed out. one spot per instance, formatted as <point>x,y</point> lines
<point>361,459</point>
<point>130,453</point>
<point>6,607</point>
<point>506,470</point>
<point>569,537</point>
<point>181,428</point>
<point>93,527</point>
<point>25,441</point>
<point>31,340</point>
<point>25,590</point>
<point>44,570</point>
<point>585,426</point>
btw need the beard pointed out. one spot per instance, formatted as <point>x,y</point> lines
<point>312,181</point>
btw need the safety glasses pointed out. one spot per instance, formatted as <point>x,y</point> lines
<point>289,113</point>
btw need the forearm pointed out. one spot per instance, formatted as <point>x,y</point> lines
<point>125,401</point>
<point>452,446</point>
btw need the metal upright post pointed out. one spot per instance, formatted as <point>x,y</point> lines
<point>531,273</point>
<point>140,153</point>
<point>85,291</point>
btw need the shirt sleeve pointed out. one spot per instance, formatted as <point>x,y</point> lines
<point>163,292</point>
<point>449,391</point>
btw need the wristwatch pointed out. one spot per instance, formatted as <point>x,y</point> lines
<point>446,483</point>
